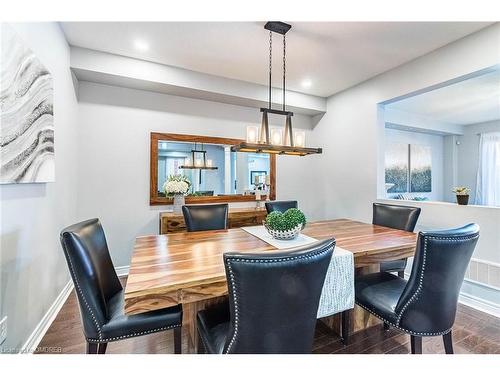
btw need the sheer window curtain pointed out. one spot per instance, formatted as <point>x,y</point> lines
<point>488,173</point>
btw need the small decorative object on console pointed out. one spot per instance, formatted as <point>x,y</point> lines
<point>462,194</point>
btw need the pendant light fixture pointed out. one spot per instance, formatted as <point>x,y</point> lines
<point>201,162</point>
<point>266,142</point>
<point>198,160</point>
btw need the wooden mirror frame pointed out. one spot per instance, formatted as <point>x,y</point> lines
<point>155,200</point>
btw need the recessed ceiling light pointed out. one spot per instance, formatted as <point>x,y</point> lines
<point>306,83</point>
<point>141,45</point>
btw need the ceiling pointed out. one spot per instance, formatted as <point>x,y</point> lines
<point>322,57</point>
<point>471,101</point>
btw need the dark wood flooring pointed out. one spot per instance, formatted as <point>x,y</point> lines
<point>474,332</point>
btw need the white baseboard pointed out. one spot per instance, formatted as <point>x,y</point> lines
<point>41,329</point>
<point>36,336</point>
<point>488,306</point>
<point>479,304</point>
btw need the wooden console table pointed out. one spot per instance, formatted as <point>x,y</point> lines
<point>238,217</point>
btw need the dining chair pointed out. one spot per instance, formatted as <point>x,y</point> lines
<point>397,217</point>
<point>100,293</point>
<point>205,217</point>
<point>281,206</point>
<point>273,302</point>
<point>426,304</point>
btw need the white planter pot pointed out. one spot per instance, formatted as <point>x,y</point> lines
<point>179,201</point>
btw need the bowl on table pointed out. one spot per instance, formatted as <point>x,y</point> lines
<point>284,234</point>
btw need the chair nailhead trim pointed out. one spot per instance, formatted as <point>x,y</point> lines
<point>235,292</point>
<point>101,340</point>
<point>79,290</point>
<point>403,329</point>
<point>99,332</point>
<point>415,295</point>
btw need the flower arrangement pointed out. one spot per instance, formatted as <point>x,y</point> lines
<point>176,185</point>
<point>285,225</point>
<point>461,190</point>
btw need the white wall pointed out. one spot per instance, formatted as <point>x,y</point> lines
<point>352,134</point>
<point>468,154</point>
<point>110,116</point>
<point>110,69</point>
<point>419,122</point>
<point>33,269</point>
<point>435,142</point>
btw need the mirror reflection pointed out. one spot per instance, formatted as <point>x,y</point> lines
<point>213,169</point>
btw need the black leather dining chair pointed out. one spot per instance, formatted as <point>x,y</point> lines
<point>397,217</point>
<point>205,217</point>
<point>426,304</point>
<point>273,302</point>
<point>100,293</point>
<point>281,206</point>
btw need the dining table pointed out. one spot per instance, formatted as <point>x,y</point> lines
<point>187,268</point>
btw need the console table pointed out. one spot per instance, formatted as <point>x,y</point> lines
<point>171,222</point>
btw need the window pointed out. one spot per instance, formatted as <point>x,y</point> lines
<point>488,173</point>
<point>408,168</point>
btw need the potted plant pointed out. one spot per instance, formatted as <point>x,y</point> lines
<point>462,194</point>
<point>285,226</point>
<point>177,186</point>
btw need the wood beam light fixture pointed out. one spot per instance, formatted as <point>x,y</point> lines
<point>198,162</point>
<point>276,142</point>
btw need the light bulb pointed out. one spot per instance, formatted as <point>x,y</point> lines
<point>252,134</point>
<point>141,45</point>
<point>299,139</point>
<point>276,137</point>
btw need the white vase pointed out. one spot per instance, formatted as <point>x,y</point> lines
<point>179,201</point>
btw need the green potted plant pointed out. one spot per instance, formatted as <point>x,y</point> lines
<point>462,194</point>
<point>285,226</point>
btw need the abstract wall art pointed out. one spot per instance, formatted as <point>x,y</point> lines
<point>408,168</point>
<point>421,169</point>
<point>26,114</point>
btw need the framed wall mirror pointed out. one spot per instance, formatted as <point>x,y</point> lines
<point>216,174</point>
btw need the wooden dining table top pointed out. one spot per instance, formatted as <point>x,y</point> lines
<point>167,270</point>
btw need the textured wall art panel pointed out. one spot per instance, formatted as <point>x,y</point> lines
<point>26,114</point>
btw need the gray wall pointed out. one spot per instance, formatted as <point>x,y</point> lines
<point>33,270</point>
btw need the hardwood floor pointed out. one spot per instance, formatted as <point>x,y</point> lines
<point>474,332</point>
